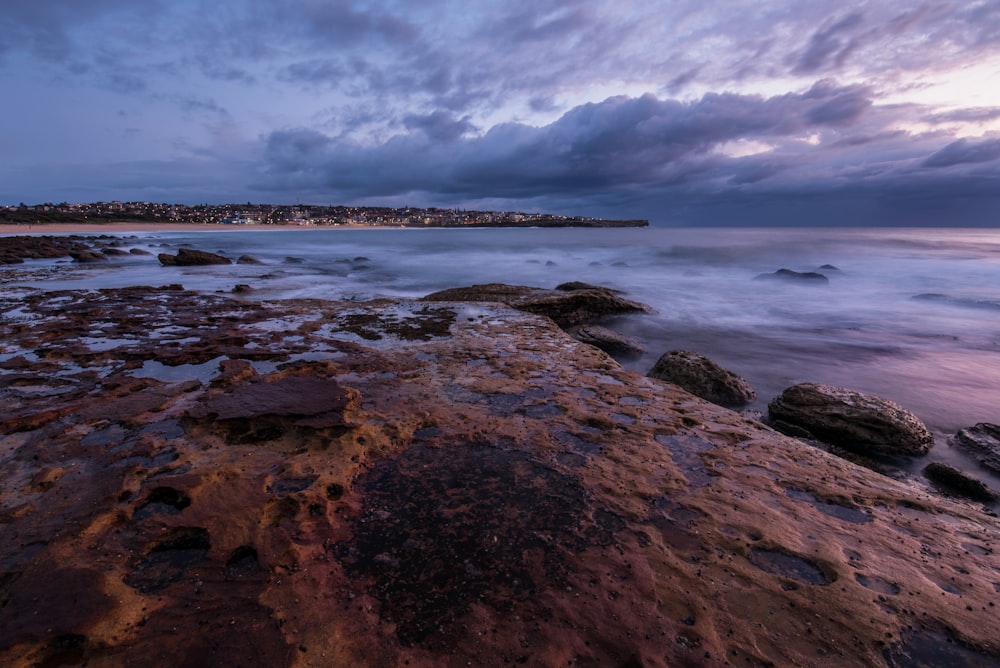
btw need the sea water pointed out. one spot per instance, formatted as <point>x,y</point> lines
<point>909,314</point>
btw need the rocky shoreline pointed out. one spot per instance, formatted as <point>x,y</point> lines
<point>200,479</point>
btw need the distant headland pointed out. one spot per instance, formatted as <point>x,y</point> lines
<point>298,215</point>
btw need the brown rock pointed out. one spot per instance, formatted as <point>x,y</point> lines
<point>114,252</point>
<point>982,441</point>
<point>703,378</point>
<point>491,497</point>
<point>87,256</point>
<point>609,341</point>
<point>853,420</point>
<point>565,308</point>
<point>187,257</point>
<point>959,483</point>
<point>312,400</point>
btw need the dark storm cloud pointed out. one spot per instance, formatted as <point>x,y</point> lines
<point>440,125</point>
<point>625,154</point>
<point>965,151</point>
<point>619,143</point>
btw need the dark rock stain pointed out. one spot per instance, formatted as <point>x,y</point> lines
<point>442,528</point>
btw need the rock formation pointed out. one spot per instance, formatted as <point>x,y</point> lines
<point>188,257</point>
<point>982,441</point>
<point>566,308</point>
<point>611,342</point>
<point>956,482</point>
<point>854,420</point>
<point>195,479</point>
<point>813,277</point>
<point>703,378</point>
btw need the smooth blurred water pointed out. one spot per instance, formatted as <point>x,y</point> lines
<point>939,357</point>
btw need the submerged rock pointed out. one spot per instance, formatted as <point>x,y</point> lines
<point>797,276</point>
<point>982,441</point>
<point>248,259</point>
<point>187,257</point>
<point>852,419</point>
<point>703,378</point>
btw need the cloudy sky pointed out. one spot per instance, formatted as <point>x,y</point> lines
<point>681,112</point>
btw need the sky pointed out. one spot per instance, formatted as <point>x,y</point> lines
<point>686,112</point>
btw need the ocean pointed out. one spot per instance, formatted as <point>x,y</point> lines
<point>912,315</point>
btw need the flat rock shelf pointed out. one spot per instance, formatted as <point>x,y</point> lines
<point>192,479</point>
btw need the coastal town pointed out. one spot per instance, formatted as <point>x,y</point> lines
<point>299,214</point>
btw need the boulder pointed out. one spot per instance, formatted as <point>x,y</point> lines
<point>702,377</point>
<point>87,256</point>
<point>853,420</point>
<point>609,341</point>
<point>187,257</point>
<point>138,251</point>
<point>953,481</point>
<point>579,306</point>
<point>565,308</point>
<point>248,259</point>
<point>813,277</point>
<point>982,442</point>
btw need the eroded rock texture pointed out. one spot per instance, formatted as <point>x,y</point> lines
<point>702,377</point>
<point>197,480</point>
<point>854,420</point>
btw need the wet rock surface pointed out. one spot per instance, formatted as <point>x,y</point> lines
<point>703,378</point>
<point>953,481</point>
<point>615,344</point>
<point>851,419</point>
<point>189,257</point>
<point>570,305</point>
<point>805,277</point>
<point>82,248</point>
<point>982,441</point>
<point>191,479</point>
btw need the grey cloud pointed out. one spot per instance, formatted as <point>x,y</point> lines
<point>832,43</point>
<point>681,80</point>
<point>838,107</point>
<point>440,125</point>
<point>315,71</point>
<point>964,151</point>
<point>294,150</point>
<point>193,105</point>
<point>339,22</point>
<point>123,82</point>
<point>970,115</point>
